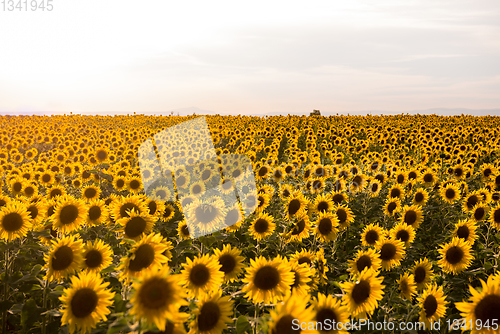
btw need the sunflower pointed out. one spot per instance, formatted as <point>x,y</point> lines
<point>4,200</point>
<point>97,256</point>
<point>212,314</point>
<point>362,296</point>
<point>358,183</point>
<point>36,212</point>
<point>296,205</point>
<point>136,225</point>
<point>392,252</point>
<point>267,281</point>
<point>392,206</point>
<point>344,215</point>
<point>144,255</point>
<point>30,190</point>
<point>326,226</point>
<point>374,187</point>
<point>157,297</point>
<point>262,202</point>
<point>422,273</point>
<point>483,307</point>
<point>420,197</point>
<point>15,221</point>
<point>231,262</point>
<point>201,276</point>
<point>328,311</point>
<point>364,259</point>
<point>455,256</point>
<point>396,191</point>
<point>120,183</point>
<point>299,229</point>
<point>90,192</point>
<point>466,230</point>
<point>407,285</point>
<point>494,218</point>
<point>291,313</point>
<point>404,233</point>
<point>304,256</point>
<point>183,230</point>
<point>479,212</point>
<point>428,178</point>
<point>205,216</point>
<point>302,277</point>
<point>168,213</point>
<point>471,201</point>
<point>322,203</point>
<point>371,234</point>
<point>432,304</point>
<point>412,215</point>
<point>321,267</point>
<point>69,214</point>
<point>64,258</point>
<point>450,193</point>
<point>86,302</point>
<point>97,213</point>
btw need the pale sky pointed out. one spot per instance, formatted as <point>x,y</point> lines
<point>250,57</point>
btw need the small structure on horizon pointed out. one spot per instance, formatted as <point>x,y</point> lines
<point>315,112</point>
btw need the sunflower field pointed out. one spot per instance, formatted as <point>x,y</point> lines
<point>359,224</point>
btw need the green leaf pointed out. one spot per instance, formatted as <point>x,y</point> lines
<point>29,315</point>
<point>242,325</point>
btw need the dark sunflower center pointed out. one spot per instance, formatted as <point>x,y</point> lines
<point>62,258</point>
<point>236,173</point>
<point>128,207</point>
<point>479,213</point>
<point>68,215</point>
<point>12,222</point>
<point>400,178</point>
<point>90,193</point>
<point>395,192</point>
<point>387,252</point>
<point>403,235</point>
<point>228,263</point>
<point>17,187</point>
<point>209,316</point>
<point>196,189</point>
<point>363,262</point>
<point>93,259</point>
<point>293,206</point>
<point>261,226</point>
<point>33,211</point>
<point>428,178</point>
<point>374,187</point>
<point>361,292</point>
<point>325,226</point>
<point>450,193</point>
<point>206,175</point>
<point>167,212</point>
<point>29,191</point>
<point>471,201</point>
<point>55,192</point>
<point>420,275</point>
<point>391,207</point>
<point>185,230</point>
<point>120,183</point>
<point>342,216</point>
<point>144,256</point>
<point>155,293</point>
<point>454,255</point>
<point>84,302</point>
<point>337,198</point>
<point>304,259</point>
<point>262,171</point>
<point>284,326</point>
<point>181,180</point>
<point>323,206</point>
<point>463,232</point>
<point>299,227</point>
<point>232,217</point>
<point>135,227</point>
<point>251,201</point>
<point>266,278</point>
<point>430,306</point>
<point>46,178</point>
<point>199,275</point>
<point>410,217</point>
<point>206,213</point>
<point>488,308</point>
<point>371,237</point>
<point>94,213</point>
<point>134,184</point>
<point>326,313</point>
<point>101,155</point>
<point>419,197</point>
<point>296,281</point>
<point>161,194</point>
<point>496,216</point>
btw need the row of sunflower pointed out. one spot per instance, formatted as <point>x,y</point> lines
<point>391,219</point>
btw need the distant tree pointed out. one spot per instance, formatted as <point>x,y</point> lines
<point>315,112</point>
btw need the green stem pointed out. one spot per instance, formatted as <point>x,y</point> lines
<point>44,304</point>
<point>6,288</point>
<point>256,314</point>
